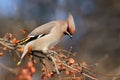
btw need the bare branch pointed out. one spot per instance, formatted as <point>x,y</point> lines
<point>14,71</point>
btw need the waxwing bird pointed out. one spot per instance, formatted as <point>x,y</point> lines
<point>47,35</point>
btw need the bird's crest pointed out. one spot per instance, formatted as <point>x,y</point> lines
<point>71,24</point>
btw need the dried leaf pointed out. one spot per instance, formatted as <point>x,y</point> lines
<point>1,53</point>
<point>71,60</point>
<point>74,54</point>
<point>10,35</point>
<point>49,75</point>
<point>23,31</point>
<point>15,40</point>
<point>29,49</point>
<point>5,48</point>
<point>52,48</point>
<point>21,49</point>
<point>44,77</point>
<point>84,63</point>
<point>43,69</point>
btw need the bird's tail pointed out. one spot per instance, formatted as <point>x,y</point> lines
<point>19,62</point>
<point>26,48</point>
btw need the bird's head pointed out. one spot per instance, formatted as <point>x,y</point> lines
<point>69,29</point>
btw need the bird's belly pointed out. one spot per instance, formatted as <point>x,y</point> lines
<point>46,42</point>
<point>54,43</point>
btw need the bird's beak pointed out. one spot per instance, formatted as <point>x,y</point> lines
<point>67,33</point>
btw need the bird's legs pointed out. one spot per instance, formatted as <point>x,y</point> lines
<point>51,55</point>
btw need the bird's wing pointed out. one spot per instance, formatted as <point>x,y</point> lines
<point>38,32</point>
<point>30,38</point>
<point>43,29</point>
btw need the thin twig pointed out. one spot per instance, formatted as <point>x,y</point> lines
<point>65,51</point>
<point>55,64</point>
<point>7,68</point>
<point>69,66</point>
<point>7,46</point>
<point>17,53</point>
<point>115,78</point>
<point>89,76</point>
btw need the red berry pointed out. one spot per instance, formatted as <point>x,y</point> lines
<point>30,64</point>
<point>32,70</point>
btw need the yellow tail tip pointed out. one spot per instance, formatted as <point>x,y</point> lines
<point>18,63</point>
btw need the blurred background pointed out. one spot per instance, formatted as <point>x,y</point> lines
<point>97,37</point>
